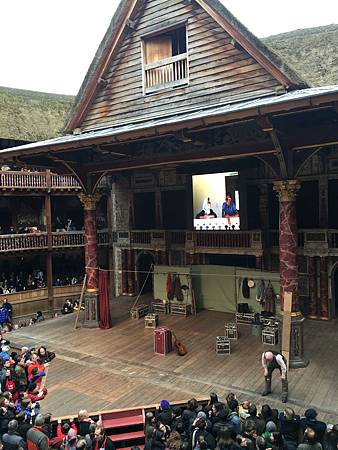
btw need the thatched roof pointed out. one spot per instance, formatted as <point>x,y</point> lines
<point>311,51</point>
<point>32,116</point>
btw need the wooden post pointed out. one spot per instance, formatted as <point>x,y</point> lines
<point>49,261</point>
<point>286,333</point>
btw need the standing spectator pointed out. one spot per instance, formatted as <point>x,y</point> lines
<point>103,441</point>
<point>310,441</point>
<point>290,427</point>
<point>310,421</point>
<point>36,438</point>
<point>9,308</point>
<point>12,439</point>
<point>233,420</point>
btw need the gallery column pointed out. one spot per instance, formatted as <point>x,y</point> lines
<point>324,289</point>
<point>89,203</point>
<point>312,266</point>
<point>288,249</point>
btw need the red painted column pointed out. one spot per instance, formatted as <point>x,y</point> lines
<point>312,266</point>
<point>324,289</point>
<point>89,203</point>
<point>288,240</point>
<point>288,250</point>
<point>91,260</point>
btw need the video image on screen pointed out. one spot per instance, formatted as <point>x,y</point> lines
<point>216,201</point>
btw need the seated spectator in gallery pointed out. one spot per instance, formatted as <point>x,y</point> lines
<point>30,283</point>
<point>67,307</point>
<point>58,282</point>
<point>207,212</point>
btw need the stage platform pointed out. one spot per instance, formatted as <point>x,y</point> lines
<point>105,369</point>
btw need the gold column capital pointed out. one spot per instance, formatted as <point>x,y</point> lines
<point>286,190</point>
<point>89,201</point>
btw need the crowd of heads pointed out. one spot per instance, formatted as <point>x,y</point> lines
<point>19,281</point>
<point>231,425</point>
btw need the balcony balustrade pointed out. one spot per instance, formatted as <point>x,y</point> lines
<point>29,242</point>
<point>37,181</point>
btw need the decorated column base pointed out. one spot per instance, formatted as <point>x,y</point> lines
<point>297,359</point>
<point>91,312</point>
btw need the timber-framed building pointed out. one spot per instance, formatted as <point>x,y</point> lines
<point>180,88</point>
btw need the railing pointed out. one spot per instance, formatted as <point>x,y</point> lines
<point>230,239</point>
<point>14,180</point>
<point>140,237</point>
<point>169,72</point>
<point>68,239</point>
<point>177,237</point>
<point>64,182</point>
<point>19,242</point>
<point>103,237</point>
<point>273,238</point>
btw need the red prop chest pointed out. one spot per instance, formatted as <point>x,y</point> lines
<point>163,343</point>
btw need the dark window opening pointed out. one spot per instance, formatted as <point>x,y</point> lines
<point>144,211</point>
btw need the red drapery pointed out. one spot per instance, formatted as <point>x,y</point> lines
<point>105,320</point>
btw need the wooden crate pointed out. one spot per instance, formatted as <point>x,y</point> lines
<point>222,345</point>
<point>270,335</point>
<point>139,311</point>
<point>269,321</point>
<point>245,318</point>
<point>180,309</point>
<point>160,307</point>
<point>230,330</point>
<point>151,321</point>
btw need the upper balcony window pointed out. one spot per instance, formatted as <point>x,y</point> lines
<point>165,60</point>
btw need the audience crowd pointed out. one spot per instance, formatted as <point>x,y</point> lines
<point>12,282</point>
<point>230,425</point>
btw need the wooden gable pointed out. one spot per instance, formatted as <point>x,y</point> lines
<point>220,70</point>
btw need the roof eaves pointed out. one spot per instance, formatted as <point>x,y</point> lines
<point>296,81</point>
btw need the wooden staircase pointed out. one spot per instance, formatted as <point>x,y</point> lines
<point>125,428</point>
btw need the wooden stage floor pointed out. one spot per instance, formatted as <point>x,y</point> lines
<point>105,369</point>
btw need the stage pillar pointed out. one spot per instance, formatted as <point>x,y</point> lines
<point>91,296</point>
<point>124,263</point>
<point>131,272</point>
<point>49,260</point>
<point>313,288</point>
<point>324,289</point>
<point>288,250</point>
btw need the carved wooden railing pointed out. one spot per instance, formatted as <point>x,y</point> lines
<point>225,239</point>
<point>69,239</point>
<point>15,180</point>
<point>273,238</point>
<point>20,242</point>
<point>169,72</point>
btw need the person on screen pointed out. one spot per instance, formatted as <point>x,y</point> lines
<point>207,212</point>
<point>229,208</point>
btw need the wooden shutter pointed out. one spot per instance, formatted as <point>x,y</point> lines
<point>158,48</point>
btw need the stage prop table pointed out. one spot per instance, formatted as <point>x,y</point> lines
<point>163,343</point>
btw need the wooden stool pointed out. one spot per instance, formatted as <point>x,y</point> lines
<point>230,330</point>
<point>222,345</point>
<point>151,321</point>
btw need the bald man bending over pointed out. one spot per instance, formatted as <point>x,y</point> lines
<point>270,362</point>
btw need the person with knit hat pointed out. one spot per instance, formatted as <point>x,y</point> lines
<point>165,413</point>
<point>310,421</point>
<point>270,362</point>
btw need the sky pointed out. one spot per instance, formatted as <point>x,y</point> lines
<point>48,45</point>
